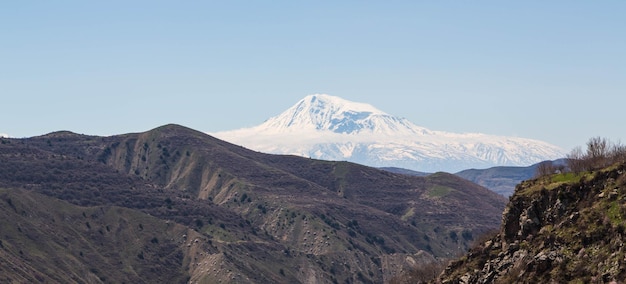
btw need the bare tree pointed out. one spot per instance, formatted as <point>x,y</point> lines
<point>597,153</point>
<point>544,169</point>
<point>600,153</point>
<point>618,153</point>
<point>575,160</point>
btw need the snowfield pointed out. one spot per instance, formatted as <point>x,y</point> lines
<point>331,128</point>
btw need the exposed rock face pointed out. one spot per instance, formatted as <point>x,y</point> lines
<point>555,229</point>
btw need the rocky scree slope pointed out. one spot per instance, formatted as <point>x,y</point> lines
<point>556,229</point>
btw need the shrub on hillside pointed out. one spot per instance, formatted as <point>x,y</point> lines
<point>600,153</point>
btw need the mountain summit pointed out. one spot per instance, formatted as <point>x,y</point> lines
<point>331,128</point>
<point>333,114</point>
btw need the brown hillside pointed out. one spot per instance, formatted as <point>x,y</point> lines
<point>260,218</point>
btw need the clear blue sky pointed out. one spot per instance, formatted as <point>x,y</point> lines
<point>548,70</point>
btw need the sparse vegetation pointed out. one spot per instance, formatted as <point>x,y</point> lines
<point>50,240</point>
<point>439,191</point>
<point>562,227</point>
<point>161,202</point>
<point>453,236</point>
<point>420,274</point>
<point>600,153</point>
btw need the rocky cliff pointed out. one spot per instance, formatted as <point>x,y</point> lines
<point>556,229</point>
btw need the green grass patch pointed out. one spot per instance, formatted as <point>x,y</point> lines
<point>409,213</point>
<point>566,177</point>
<point>220,233</point>
<point>553,181</point>
<point>439,191</point>
<point>614,213</point>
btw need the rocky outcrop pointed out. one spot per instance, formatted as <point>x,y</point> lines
<point>555,229</point>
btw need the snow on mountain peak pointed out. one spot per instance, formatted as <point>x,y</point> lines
<point>331,128</point>
<point>321,112</point>
<point>337,104</point>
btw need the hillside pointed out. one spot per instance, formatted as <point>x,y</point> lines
<point>562,228</point>
<point>404,171</point>
<point>235,215</point>
<point>48,240</point>
<point>501,180</point>
<point>331,128</point>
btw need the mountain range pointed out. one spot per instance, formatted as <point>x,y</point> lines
<point>174,205</point>
<point>501,180</point>
<point>331,128</point>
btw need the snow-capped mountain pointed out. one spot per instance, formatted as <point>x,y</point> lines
<point>334,114</point>
<point>331,128</point>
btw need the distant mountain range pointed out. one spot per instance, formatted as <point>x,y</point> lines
<point>330,128</point>
<point>501,180</point>
<point>174,205</point>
